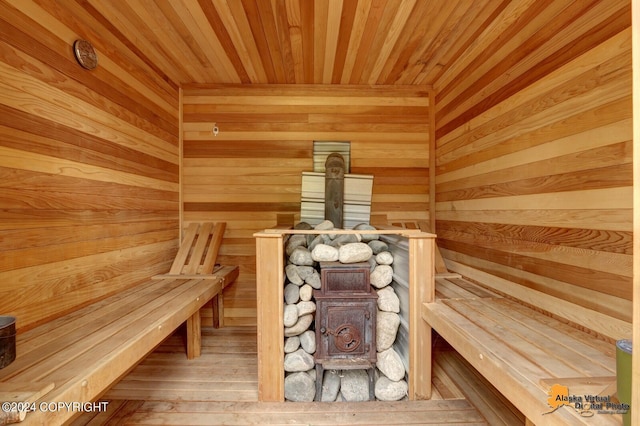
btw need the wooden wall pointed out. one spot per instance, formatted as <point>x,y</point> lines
<point>534,156</point>
<point>251,171</point>
<point>89,163</point>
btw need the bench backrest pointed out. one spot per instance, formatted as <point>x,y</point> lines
<point>199,249</point>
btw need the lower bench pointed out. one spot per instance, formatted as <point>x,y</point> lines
<point>74,359</point>
<point>541,364</point>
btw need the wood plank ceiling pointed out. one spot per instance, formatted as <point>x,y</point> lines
<point>370,42</point>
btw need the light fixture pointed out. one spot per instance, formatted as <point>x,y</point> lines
<point>85,54</point>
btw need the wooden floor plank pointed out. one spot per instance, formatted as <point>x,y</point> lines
<point>363,413</point>
<point>221,387</point>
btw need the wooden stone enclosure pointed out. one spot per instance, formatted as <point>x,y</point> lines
<point>507,126</point>
<point>270,279</point>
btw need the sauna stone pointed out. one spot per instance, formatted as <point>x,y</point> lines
<point>304,272</point>
<point>354,253</point>
<point>299,327</point>
<point>324,253</point>
<point>387,324</point>
<point>366,227</point>
<point>308,341</point>
<point>314,280</point>
<point>390,364</point>
<point>290,315</point>
<point>291,294</point>
<point>299,387</point>
<point>354,385</point>
<point>291,271</point>
<point>381,276</point>
<point>306,292</point>
<point>388,300</point>
<point>291,344</point>
<point>301,256</point>
<point>330,386</point>
<point>294,242</point>
<point>378,246</point>
<point>299,360</point>
<point>344,239</point>
<point>314,240</point>
<point>325,225</point>
<point>388,390</point>
<point>384,258</point>
<point>303,226</point>
<point>305,308</point>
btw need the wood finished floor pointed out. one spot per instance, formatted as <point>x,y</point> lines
<point>221,388</point>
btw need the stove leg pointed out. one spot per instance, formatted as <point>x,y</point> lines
<point>319,380</point>
<point>372,384</point>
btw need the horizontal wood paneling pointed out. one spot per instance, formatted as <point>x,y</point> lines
<point>89,163</point>
<point>252,171</point>
<point>534,155</point>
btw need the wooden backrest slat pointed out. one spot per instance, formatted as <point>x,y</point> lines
<point>198,249</point>
<point>185,248</point>
<point>214,247</point>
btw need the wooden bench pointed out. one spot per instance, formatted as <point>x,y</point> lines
<point>524,352</point>
<point>64,365</point>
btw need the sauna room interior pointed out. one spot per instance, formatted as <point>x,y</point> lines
<point>499,138</point>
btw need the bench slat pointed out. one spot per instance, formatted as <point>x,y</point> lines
<point>505,319</point>
<point>570,343</point>
<point>104,341</point>
<point>104,336</point>
<point>507,353</point>
<point>61,334</point>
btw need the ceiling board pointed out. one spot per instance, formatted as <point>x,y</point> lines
<point>354,42</point>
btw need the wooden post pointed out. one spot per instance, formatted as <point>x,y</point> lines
<point>194,336</point>
<point>421,290</point>
<point>270,311</point>
<point>217,310</point>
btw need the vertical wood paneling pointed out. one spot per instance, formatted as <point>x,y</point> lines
<point>534,154</point>
<point>252,171</point>
<point>88,163</point>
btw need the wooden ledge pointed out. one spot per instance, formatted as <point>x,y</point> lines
<point>390,231</point>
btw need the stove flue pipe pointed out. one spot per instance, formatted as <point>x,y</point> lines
<point>334,189</point>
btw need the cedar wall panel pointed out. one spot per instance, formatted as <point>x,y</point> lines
<point>252,170</point>
<point>534,155</point>
<point>89,163</point>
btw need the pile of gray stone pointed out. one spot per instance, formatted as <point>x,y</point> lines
<point>304,252</point>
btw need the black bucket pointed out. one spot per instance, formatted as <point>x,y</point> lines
<point>7,340</point>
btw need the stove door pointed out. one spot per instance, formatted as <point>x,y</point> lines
<point>345,329</point>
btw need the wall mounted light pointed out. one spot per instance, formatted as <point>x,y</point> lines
<point>215,130</point>
<point>85,54</point>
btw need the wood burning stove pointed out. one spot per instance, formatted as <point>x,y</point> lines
<point>345,322</point>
